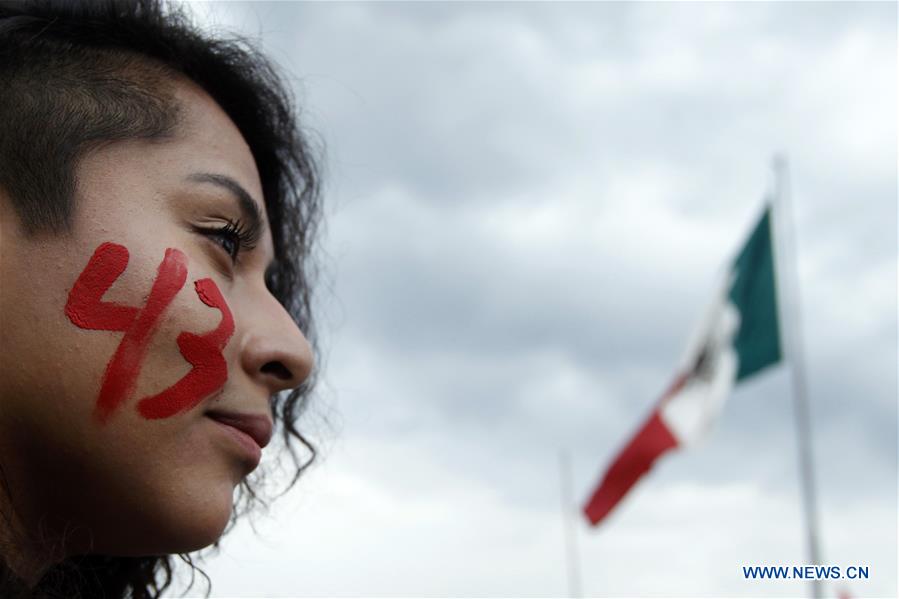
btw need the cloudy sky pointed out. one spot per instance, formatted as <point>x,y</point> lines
<point>528,205</point>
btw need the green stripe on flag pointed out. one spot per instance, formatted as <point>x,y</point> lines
<point>757,342</point>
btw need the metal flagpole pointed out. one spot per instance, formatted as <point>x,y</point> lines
<point>791,322</point>
<point>571,555</point>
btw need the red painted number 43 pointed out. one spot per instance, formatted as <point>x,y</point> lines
<point>86,309</point>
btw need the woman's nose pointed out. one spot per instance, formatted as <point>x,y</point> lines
<point>275,353</point>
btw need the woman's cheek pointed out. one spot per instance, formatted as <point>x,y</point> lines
<point>139,326</point>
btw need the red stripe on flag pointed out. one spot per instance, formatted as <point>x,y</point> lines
<point>651,441</point>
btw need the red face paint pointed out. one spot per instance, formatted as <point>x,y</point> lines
<point>86,310</point>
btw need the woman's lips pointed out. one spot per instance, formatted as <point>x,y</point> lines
<point>252,432</point>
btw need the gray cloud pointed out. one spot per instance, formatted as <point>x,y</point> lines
<point>528,206</point>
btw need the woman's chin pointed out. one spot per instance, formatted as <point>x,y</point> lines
<point>195,525</point>
<point>198,533</point>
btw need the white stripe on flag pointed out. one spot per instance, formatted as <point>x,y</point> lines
<point>691,411</point>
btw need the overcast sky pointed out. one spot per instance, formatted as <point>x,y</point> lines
<point>527,207</point>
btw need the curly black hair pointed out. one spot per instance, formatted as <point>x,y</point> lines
<point>76,74</point>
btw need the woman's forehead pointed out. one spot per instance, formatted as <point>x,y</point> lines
<point>217,152</point>
<point>211,139</point>
<point>206,156</point>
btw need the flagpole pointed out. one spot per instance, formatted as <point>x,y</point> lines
<point>571,555</point>
<point>791,322</point>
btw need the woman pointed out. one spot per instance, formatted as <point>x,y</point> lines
<point>157,207</point>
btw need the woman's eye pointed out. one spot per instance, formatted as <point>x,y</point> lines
<point>233,237</point>
<point>228,238</point>
<point>229,241</point>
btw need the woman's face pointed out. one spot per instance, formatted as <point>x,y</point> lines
<point>135,349</point>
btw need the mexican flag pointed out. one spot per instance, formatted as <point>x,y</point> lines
<point>738,337</point>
